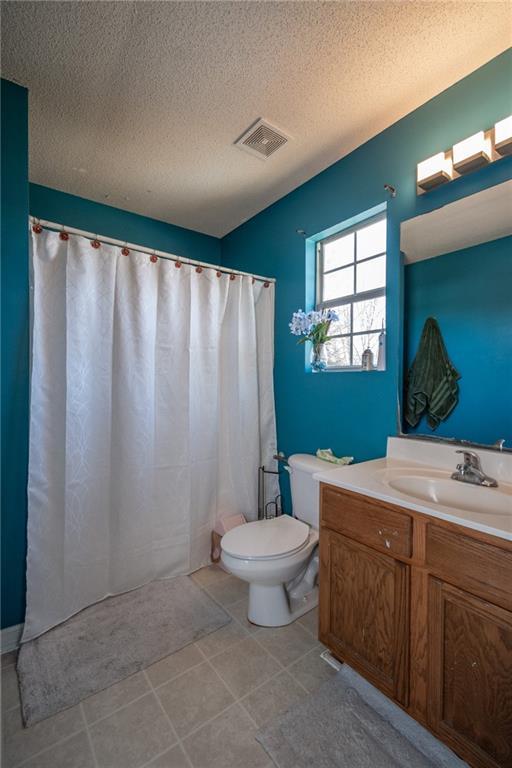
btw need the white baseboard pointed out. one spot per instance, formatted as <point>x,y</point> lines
<point>10,638</point>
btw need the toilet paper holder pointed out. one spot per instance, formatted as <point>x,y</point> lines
<point>269,509</point>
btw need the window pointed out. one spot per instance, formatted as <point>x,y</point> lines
<point>351,278</point>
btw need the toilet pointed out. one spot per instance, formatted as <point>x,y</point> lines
<point>270,553</point>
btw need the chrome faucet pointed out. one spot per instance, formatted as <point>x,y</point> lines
<point>470,471</point>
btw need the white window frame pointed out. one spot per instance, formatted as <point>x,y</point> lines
<point>355,296</point>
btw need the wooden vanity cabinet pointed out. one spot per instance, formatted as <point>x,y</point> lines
<point>470,675</point>
<point>368,612</point>
<point>423,610</point>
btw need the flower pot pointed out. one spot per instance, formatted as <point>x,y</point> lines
<point>318,358</point>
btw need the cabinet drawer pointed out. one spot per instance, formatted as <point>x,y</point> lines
<point>366,520</point>
<point>474,565</point>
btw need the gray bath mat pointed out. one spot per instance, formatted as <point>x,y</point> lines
<point>110,641</point>
<point>349,724</point>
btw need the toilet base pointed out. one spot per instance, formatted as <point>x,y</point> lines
<point>268,605</point>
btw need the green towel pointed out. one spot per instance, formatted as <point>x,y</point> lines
<point>326,454</point>
<point>431,384</point>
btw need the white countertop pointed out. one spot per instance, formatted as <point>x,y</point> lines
<point>371,478</point>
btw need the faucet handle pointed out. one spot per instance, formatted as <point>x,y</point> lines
<point>471,471</point>
<point>471,458</point>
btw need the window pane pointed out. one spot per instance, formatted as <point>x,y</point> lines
<point>370,315</point>
<point>339,252</point>
<point>343,324</point>
<point>338,284</point>
<point>361,343</point>
<point>338,352</point>
<point>371,274</point>
<point>371,240</point>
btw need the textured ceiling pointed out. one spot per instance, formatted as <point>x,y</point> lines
<point>137,104</point>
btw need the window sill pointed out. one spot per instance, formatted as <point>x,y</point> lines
<point>354,369</point>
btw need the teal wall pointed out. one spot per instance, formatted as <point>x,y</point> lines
<point>469,292</point>
<point>354,412</point>
<point>61,208</point>
<point>18,198</point>
<point>14,244</point>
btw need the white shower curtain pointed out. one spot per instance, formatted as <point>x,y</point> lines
<point>151,409</point>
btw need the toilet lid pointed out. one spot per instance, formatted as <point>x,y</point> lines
<point>266,538</point>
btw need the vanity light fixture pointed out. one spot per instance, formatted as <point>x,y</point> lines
<point>472,153</point>
<point>434,171</point>
<point>476,151</point>
<point>503,136</point>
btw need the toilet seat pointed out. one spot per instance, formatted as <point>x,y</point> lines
<point>266,539</point>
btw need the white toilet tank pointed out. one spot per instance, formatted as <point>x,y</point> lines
<point>305,490</point>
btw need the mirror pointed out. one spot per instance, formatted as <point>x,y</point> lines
<point>458,271</point>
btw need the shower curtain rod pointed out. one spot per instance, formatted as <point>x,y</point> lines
<point>34,220</point>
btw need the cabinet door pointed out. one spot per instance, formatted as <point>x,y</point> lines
<point>470,675</point>
<point>364,611</point>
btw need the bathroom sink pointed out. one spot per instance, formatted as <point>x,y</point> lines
<point>441,489</point>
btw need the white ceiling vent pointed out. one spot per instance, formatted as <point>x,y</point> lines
<point>262,139</point>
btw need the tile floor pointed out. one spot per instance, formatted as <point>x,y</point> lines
<point>198,708</point>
